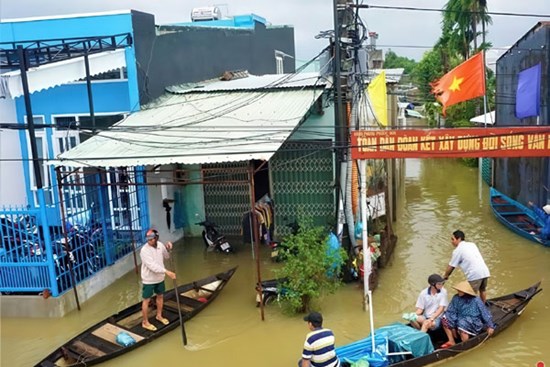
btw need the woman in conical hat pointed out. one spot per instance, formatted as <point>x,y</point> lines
<point>466,315</point>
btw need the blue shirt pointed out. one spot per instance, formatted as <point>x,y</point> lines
<point>545,218</point>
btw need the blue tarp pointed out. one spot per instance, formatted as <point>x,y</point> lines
<point>362,349</point>
<point>392,338</point>
<point>403,338</point>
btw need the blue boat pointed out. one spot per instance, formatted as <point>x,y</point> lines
<point>519,218</point>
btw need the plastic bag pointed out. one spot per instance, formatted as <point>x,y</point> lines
<point>125,339</point>
<point>363,362</point>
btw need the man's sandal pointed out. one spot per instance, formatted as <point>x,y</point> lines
<point>163,320</point>
<point>149,327</point>
<point>446,345</point>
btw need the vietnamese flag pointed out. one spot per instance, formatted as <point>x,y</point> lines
<point>466,81</point>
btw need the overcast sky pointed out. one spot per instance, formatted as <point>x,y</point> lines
<point>412,29</point>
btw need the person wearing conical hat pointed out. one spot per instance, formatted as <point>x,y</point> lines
<point>466,315</point>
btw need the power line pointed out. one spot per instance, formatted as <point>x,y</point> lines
<point>307,150</point>
<point>409,8</point>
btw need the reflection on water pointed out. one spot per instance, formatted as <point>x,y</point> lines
<point>439,196</point>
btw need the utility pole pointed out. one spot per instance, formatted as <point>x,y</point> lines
<point>343,18</point>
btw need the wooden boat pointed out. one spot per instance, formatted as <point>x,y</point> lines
<point>505,310</point>
<point>516,216</point>
<point>98,343</point>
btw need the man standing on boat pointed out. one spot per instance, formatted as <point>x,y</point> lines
<point>153,272</point>
<point>430,305</point>
<point>319,345</point>
<point>466,255</point>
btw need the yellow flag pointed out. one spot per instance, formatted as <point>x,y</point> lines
<point>377,94</point>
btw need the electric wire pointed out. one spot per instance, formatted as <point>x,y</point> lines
<point>410,8</point>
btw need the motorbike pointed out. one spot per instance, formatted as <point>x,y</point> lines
<point>278,248</point>
<point>214,240</point>
<point>270,290</point>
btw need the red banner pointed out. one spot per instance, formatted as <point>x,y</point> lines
<point>531,141</point>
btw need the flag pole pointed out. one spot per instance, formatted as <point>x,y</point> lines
<point>480,163</point>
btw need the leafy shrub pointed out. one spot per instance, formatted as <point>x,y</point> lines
<point>309,267</point>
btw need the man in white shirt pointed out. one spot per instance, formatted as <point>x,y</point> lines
<point>431,304</point>
<point>153,272</point>
<point>466,255</point>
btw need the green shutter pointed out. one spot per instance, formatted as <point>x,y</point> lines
<point>302,177</point>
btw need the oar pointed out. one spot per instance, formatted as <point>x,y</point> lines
<point>183,335</point>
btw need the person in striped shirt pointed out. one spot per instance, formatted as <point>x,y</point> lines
<point>319,345</point>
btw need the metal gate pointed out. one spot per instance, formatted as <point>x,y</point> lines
<point>302,174</point>
<point>226,203</point>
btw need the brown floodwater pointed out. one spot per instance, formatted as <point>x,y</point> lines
<point>438,197</point>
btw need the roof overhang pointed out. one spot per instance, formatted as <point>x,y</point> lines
<point>220,125</point>
<point>488,118</point>
<point>59,73</point>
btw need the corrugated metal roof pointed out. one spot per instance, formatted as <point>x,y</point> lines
<point>193,128</point>
<point>392,75</point>
<point>253,82</point>
<point>61,72</point>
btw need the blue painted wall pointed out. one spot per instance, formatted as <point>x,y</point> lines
<point>72,99</point>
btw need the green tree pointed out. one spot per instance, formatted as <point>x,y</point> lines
<point>461,20</point>
<point>392,60</point>
<point>428,70</point>
<point>311,267</point>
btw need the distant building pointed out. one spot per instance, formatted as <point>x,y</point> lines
<point>523,179</point>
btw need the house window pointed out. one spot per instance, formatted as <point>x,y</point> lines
<point>123,200</point>
<point>66,122</point>
<point>74,196</point>
<point>42,153</point>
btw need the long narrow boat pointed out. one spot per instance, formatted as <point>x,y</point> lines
<point>516,216</point>
<point>405,347</point>
<point>99,343</point>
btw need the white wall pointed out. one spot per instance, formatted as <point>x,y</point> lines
<point>157,213</point>
<point>12,181</point>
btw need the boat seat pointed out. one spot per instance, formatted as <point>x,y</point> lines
<point>109,332</point>
<point>522,295</point>
<point>81,349</point>
<point>47,364</point>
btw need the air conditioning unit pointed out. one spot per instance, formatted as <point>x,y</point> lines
<point>206,13</point>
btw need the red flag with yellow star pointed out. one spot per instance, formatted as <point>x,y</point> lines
<point>466,81</point>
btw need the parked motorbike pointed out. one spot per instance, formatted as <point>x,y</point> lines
<point>270,290</point>
<point>21,237</point>
<point>214,240</point>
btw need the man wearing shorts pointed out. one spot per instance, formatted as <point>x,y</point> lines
<point>430,305</point>
<point>466,255</point>
<point>153,272</point>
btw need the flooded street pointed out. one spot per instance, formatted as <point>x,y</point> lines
<point>439,196</point>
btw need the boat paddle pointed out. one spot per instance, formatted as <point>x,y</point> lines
<point>183,334</point>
